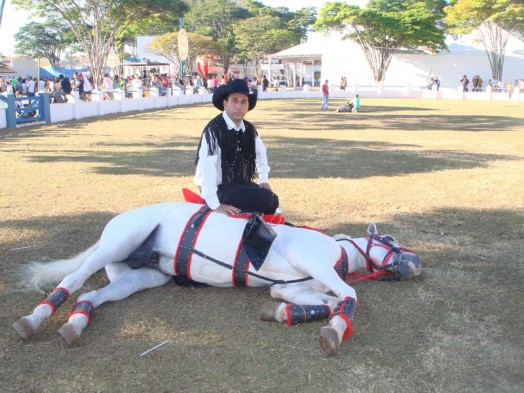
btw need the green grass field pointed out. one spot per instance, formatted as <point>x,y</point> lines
<point>444,177</point>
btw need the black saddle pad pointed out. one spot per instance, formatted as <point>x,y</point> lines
<point>257,239</point>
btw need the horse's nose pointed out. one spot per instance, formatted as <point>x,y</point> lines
<point>413,262</point>
<point>404,270</point>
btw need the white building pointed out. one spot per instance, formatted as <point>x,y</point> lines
<point>329,57</point>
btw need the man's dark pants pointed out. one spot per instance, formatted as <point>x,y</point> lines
<point>250,197</point>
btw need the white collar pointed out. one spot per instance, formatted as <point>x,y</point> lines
<point>231,124</point>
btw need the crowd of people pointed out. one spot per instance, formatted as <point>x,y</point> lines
<point>493,84</point>
<point>62,86</point>
<point>57,87</point>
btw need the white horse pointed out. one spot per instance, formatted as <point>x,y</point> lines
<point>303,267</point>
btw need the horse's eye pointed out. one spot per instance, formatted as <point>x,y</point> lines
<point>389,238</point>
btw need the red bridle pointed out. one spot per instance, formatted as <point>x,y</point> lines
<point>372,267</point>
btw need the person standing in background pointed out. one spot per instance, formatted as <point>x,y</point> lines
<point>325,96</point>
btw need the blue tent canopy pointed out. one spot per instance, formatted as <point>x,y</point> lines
<point>51,72</point>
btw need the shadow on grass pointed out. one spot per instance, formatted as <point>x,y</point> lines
<point>63,236</point>
<point>289,157</point>
<point>378,121</point>
<point>165,162</point>
<point>486,241</point>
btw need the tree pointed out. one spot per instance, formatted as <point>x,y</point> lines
<point>215,19</point>
<point>298,22</point>
<point>270,35</point>
<point>97,23</point>
<point>150,25</point>
<point>167,46</point>
<point>383,27</point>
<point>248,29</point>
<point>493,22</point>
<point>48,39</point>
<point>2,5</point>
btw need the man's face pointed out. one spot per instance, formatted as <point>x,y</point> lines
<point>236,107</point>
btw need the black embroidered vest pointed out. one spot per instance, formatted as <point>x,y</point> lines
<point>238,152</point>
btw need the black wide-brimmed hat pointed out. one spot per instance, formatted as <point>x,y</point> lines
<point>235,86</point>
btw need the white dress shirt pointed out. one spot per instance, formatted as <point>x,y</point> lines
<point>209,169</point>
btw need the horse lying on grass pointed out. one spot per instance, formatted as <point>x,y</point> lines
<point>303,267</point>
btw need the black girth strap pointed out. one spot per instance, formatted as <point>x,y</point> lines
<point>342,266</point>
<point>241,266</point>
<point>184,252</point>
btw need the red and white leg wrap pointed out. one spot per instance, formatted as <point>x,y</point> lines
<point>346,310</point>
<point>56,298</point>
<point>84,307</point>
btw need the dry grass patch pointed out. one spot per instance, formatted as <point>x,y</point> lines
<point>444,177</point>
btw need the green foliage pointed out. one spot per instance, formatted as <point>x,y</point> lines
<point>47,39</point>
<point>270,36</point>
<point>167,45</point>
<point>383,27</point>
<point>244,29</point>
<point>298,22</point>
<point>493,21</point>
<point>463,16</point>
<point>97,23</point>
<point>215,19</point>
<point>249,31</point>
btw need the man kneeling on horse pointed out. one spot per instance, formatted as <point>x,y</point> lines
<point>230,155</point>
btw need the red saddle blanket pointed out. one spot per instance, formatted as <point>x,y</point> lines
<point>190,196</point>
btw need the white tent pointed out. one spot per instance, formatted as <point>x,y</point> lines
<point>335,58</point>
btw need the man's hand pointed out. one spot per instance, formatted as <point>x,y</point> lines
<point>227,209</point>
<point>266,186</point>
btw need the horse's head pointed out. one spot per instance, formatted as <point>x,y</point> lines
<point>400,261</point>
<point>383,253</point>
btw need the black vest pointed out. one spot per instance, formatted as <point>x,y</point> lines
<point>237,150</point>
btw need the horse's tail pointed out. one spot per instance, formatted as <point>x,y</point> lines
<point>39,274</point>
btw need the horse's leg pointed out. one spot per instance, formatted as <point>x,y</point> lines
<point>27,326</point>
<point>311,305</point>
<point>296,294</point>
<point>120,238</point>
<point>124,282</point>
<point>318,263</point>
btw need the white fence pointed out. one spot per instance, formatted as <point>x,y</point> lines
<point>75,109</point>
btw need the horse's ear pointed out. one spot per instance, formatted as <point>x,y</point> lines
<point>372,229</point>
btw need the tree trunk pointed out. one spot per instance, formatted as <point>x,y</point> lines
<point>378,60</point>
<point>494,39</point>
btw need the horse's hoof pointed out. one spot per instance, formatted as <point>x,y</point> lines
<point>69,334</point>
<point>24,328</point>
<point>328,340</point>
<point>268,312</point>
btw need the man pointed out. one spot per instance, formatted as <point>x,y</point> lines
<point>108,87</point>
<point>464,81</point>
<point>356,104</point>
<point>30,87</point>
<point>265,83</point>
<point>325,96</point>
<point>66,84</point>
<point>231,153</point>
